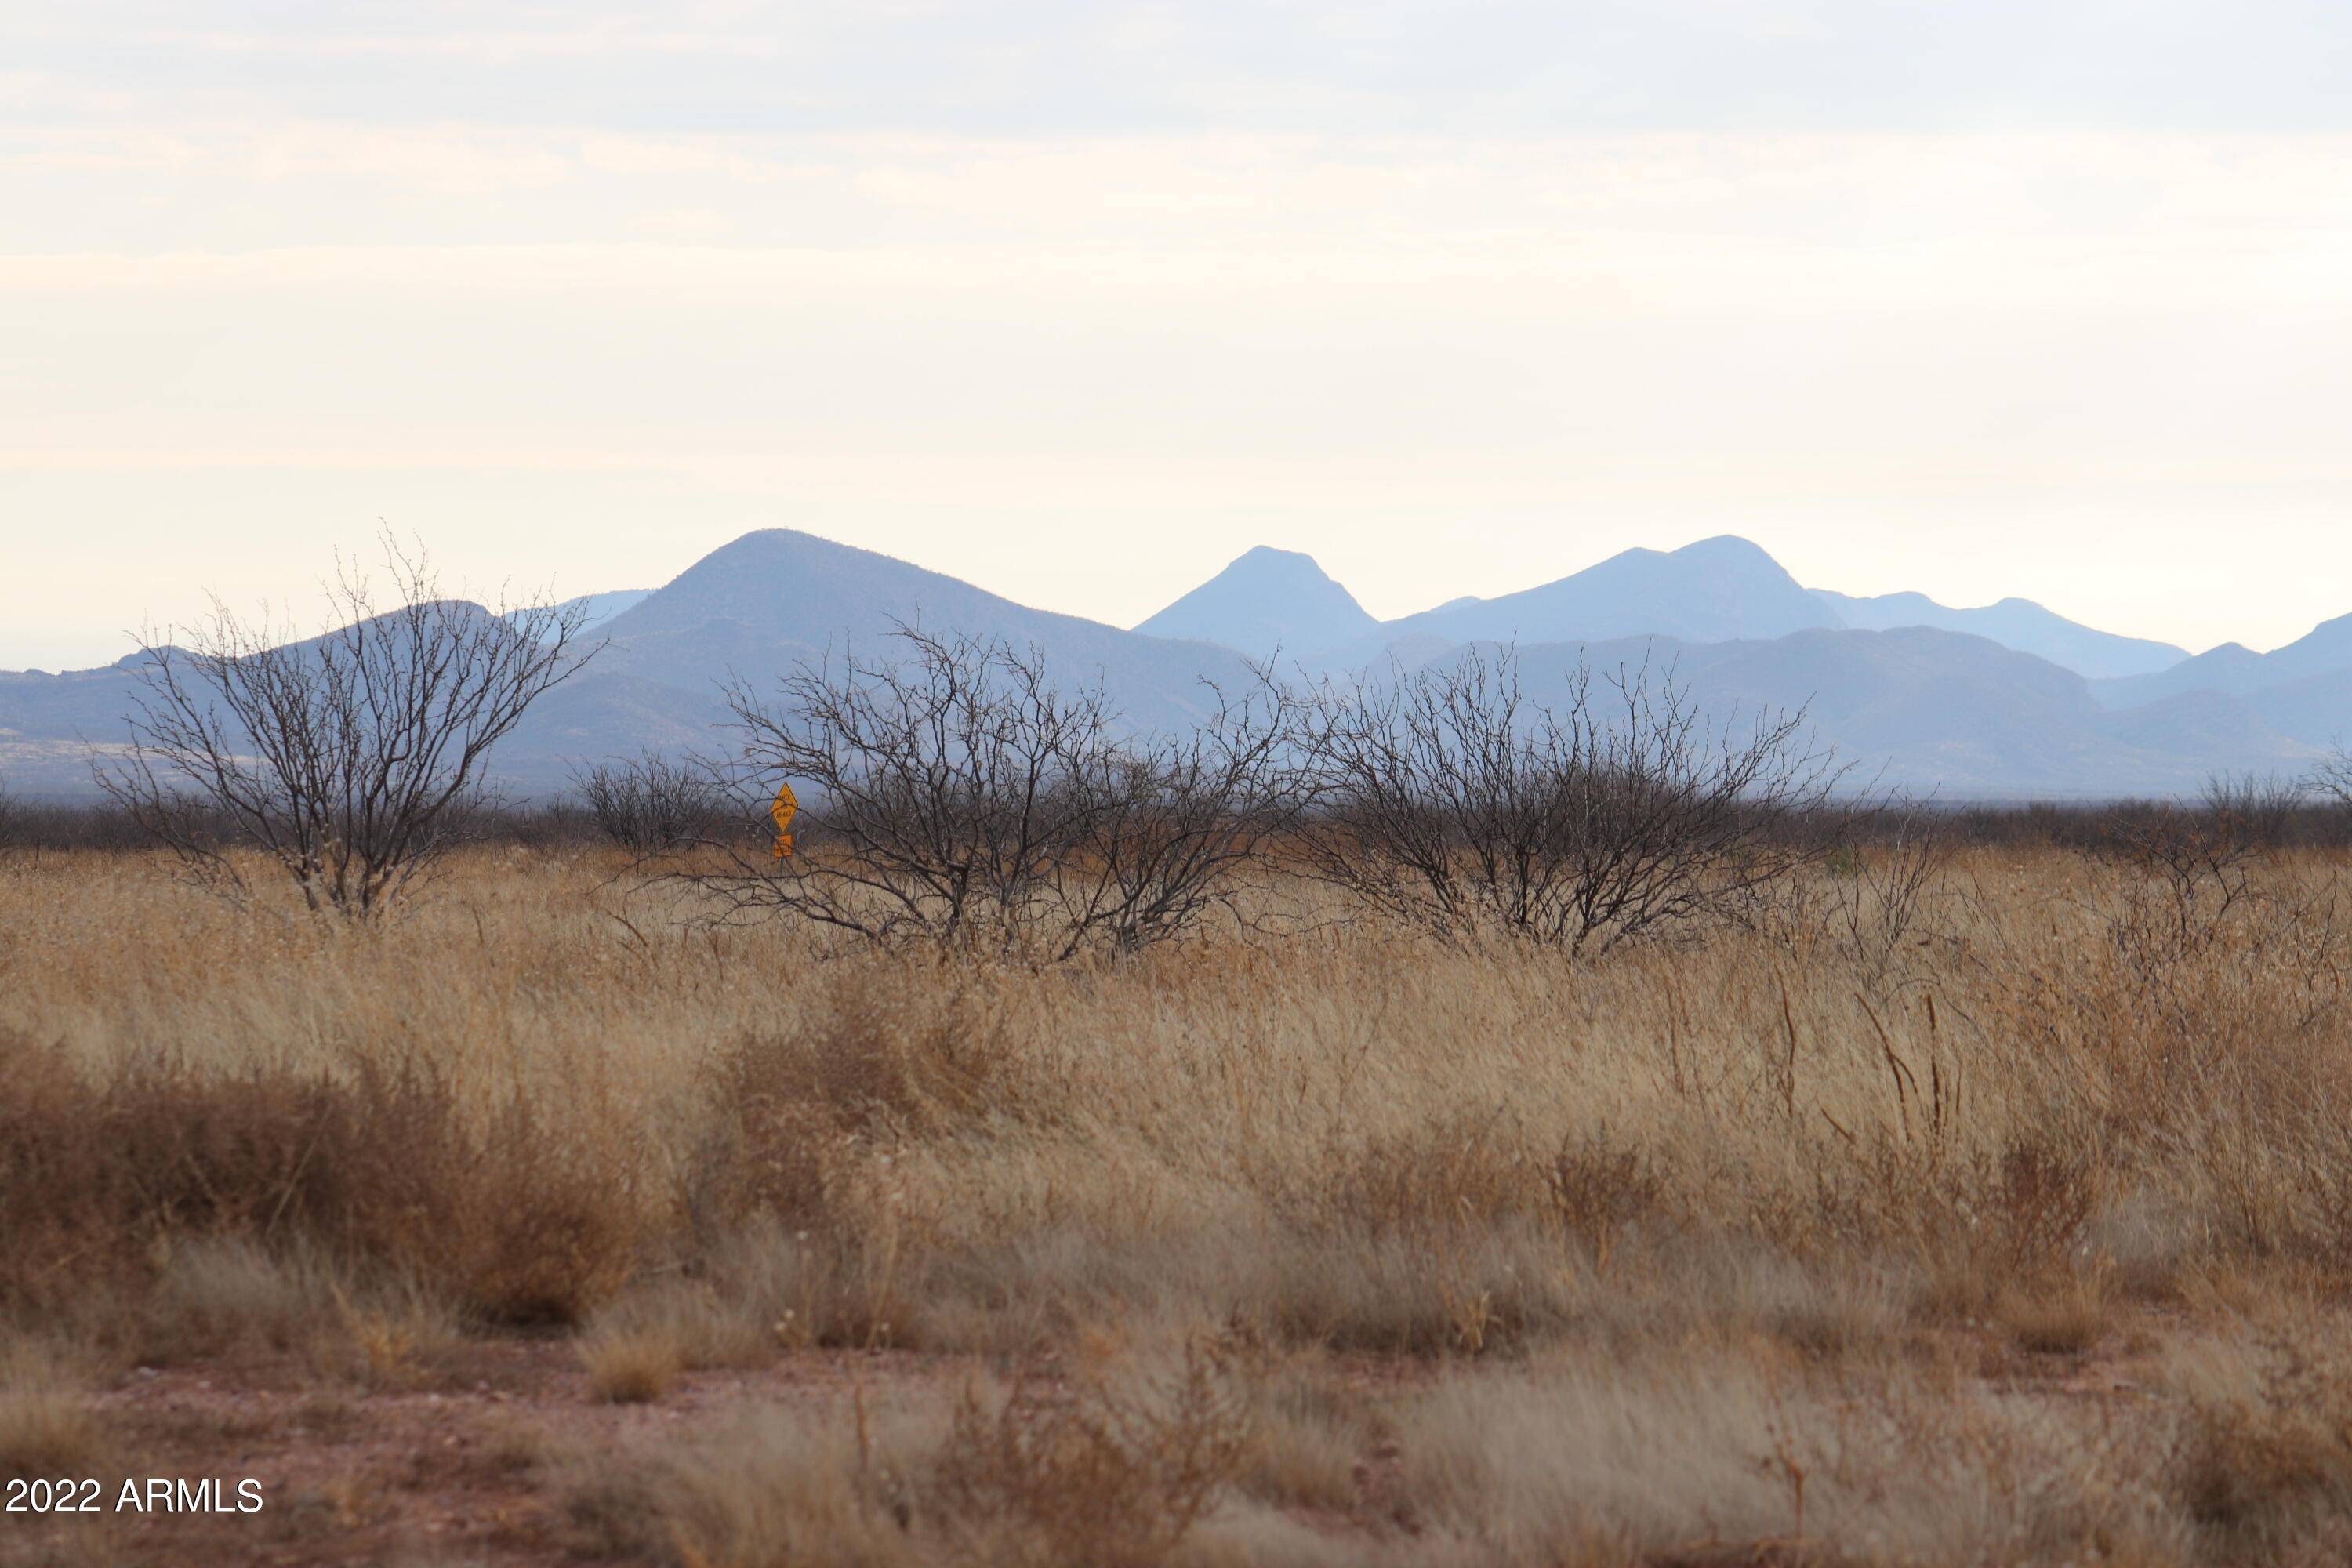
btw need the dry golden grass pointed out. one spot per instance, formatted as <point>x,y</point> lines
<point>2064,1315</point>
<point>45,1430</point>
<point>1309,1436</point>
<point>631,1366</point>
<point>1625,1258</point>
<point>1114,1471</point>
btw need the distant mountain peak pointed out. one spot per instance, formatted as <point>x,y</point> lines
<point>1267,553</point>
<point>1729,546</point>
<point>1263,601</point>
<point>1710,590</point>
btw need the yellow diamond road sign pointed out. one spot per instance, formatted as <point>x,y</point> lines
<point>786,804</point>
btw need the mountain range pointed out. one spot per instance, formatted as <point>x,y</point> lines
<point>2008,700</point>
<point>1723,589</point>
<point>2020,624</point>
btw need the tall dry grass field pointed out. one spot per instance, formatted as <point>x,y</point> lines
<point>2019,1233</point>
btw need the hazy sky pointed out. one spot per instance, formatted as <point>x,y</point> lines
<point>1079,301</point>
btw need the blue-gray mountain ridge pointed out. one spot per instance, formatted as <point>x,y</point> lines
<point>1937,703</point>
<point>1723,589</point>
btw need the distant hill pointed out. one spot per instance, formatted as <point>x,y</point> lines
<point>1936,711</point>
<point>2232,667</point>
<point>595,609</point>
<point>2302,690</point>
<point>755,607</point>
<point>2018,624</point>
<point>774,599</point>
<point>50,724</point>
<point>2316,710</point>
<point>1266,600</point>
<point>1717,590</point>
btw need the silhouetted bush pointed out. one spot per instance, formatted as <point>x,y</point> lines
<point>96,826</point>
<point>650,801</point>
<point>350,760</point>
<point>956,796</point>
<point>2330,783</point>
<point>1455,805</point>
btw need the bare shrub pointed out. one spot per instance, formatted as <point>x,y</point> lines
<point>350,759</point>
<point>2257,808</point>
<point>651,802</point>
<point>940,801</point>
<point>13,825</point>
<point>2331,780</point>
<point>958,798</point>
<point>1454,804</point>
<point>74,825</point>
<point>1176,823</point>
<point>1880,902</point>
<point>2190,874</point>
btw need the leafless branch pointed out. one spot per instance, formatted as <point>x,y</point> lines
<point>956,796</point>
<point>349,759</point>
<point>1454,803</point>
<point>651,802</point>
<point>2331,780</point>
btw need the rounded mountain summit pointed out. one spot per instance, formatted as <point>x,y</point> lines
<point>1267,600</point>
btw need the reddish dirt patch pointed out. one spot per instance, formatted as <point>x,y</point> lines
<point>464,1459</point>
<point>453,1467</point>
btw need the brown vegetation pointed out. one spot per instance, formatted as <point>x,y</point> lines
<point>2022,1236</point>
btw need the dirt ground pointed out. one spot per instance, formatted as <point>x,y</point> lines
<point>468,1462</point>
<point>457,1466</point>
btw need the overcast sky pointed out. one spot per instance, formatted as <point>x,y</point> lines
<point>1080,300</point>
